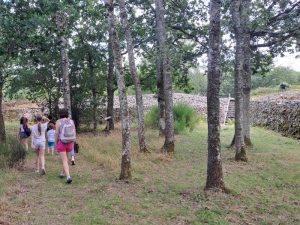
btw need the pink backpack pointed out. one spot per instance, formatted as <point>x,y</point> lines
<point>67,131</point>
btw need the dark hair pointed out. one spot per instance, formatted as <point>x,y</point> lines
<point>63,113</point>
<point>51,126</point>
<point>50,117</point>
<point>24,122</point>
<point>39,119</point>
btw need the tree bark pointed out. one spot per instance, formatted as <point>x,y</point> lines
<point>160,96</point>
<point>160,82</point>
<point>110,89</point>
<point>2,125</point>
<point>161,34</point>
<point>95,121</point>
<point>61,24</point>
<point>126,143</point>
<point>247,72</point>
<point>214,163</point>
<point>135,77</point>
<point>240,151</point>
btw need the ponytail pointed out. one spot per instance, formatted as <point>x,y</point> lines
<point>40,128</point>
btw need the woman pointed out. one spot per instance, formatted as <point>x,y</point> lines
<point>24,132</point>
<point>38,142</point>
<point>65,136</point>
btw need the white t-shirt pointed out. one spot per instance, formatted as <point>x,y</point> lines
<point>51,136</point>
<point>37,137</point>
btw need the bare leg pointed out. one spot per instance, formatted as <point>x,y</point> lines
<point>37,165</point>
<point>64,158</point>
<point>42,158</point>
<point>25,143</point>
<point>52,151</point>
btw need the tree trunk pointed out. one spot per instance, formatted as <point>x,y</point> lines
<point>61,23</point>
<point>247,72</point>
<point>240,154</point>
<point>167,78</point>
<point>214,163</point>
<point>135,78</point>
<point>2,125</point>
<point>160,79</point>
<point>110,89</point>
<point>126,144</point>
<point>95,121</point>
<point>160,95</point>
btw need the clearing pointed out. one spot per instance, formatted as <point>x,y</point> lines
<point>164,190</point>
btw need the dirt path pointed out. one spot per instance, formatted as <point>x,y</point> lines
<point>36,199</point>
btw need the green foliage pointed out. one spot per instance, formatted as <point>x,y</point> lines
<point>152,117</point>
<point>12,154</point>
<point>185,117</point>
<point>276,77</point>
<point>284,86</point>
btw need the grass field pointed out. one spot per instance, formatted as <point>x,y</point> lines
<point>266,190</point>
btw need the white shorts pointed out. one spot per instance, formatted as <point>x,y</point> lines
<point>39,145</point>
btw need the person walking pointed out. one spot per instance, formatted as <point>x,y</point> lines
<point>38,142</point>
<point>51,138</point>
<point>65,137</point>
<point>24,132</point>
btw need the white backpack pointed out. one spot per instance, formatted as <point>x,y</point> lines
<point>67,131</point>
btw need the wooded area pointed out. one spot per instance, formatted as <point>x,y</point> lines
<point>82,51</point>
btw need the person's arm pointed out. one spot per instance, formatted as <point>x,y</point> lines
<point>19,134</point>
<point>57,125</point>
<point>32,138</point>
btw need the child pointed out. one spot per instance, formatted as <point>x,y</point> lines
<point>51,138</point>
<point>38,142</point>
<point>24,132</point>
<point>65,136</point>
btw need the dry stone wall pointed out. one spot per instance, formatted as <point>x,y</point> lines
<point>280,113</point>
<point>14,110</point>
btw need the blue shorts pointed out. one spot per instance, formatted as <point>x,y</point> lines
<point>51,144</point>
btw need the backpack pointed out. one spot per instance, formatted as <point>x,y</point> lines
<point>27,131</point>
<point>67,131</point>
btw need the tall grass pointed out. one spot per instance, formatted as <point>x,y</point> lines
<point>185,118</point>
<point>106,150</point>
<point>12,154</point>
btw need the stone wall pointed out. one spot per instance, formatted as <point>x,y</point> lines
<point>14,110</point>
<point>280,113</point>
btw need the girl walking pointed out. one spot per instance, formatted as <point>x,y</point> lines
<point>24,132</point>
<point>65,136</point>
<point>51,138</point>
<point>38,142</point>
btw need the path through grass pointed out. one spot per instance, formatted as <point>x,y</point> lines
<point>163,191</point>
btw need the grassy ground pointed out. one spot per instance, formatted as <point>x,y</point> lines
<point>164,190</point>
<point>265,91</point>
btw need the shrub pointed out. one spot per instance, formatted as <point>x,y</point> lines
<point>284,86</point>
<point>12,154</point>
<point>185,117</point>
<point>152,117</point>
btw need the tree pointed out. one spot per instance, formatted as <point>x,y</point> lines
<point>61,23</point>
<point>275,28</point>
<point>237,19</point>
<point>126,142</point>
<point>2,125</point>
<point>164,70</point>
<point>214,163</point>
<point>110,89</point>
<point>134,74</point>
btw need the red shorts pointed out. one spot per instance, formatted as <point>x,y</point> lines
<point>64,147</point>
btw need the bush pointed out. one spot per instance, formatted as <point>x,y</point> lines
<point>12,154</point>
<point>152,117</point>
<point>185,117</point>
<point>284,86</point>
